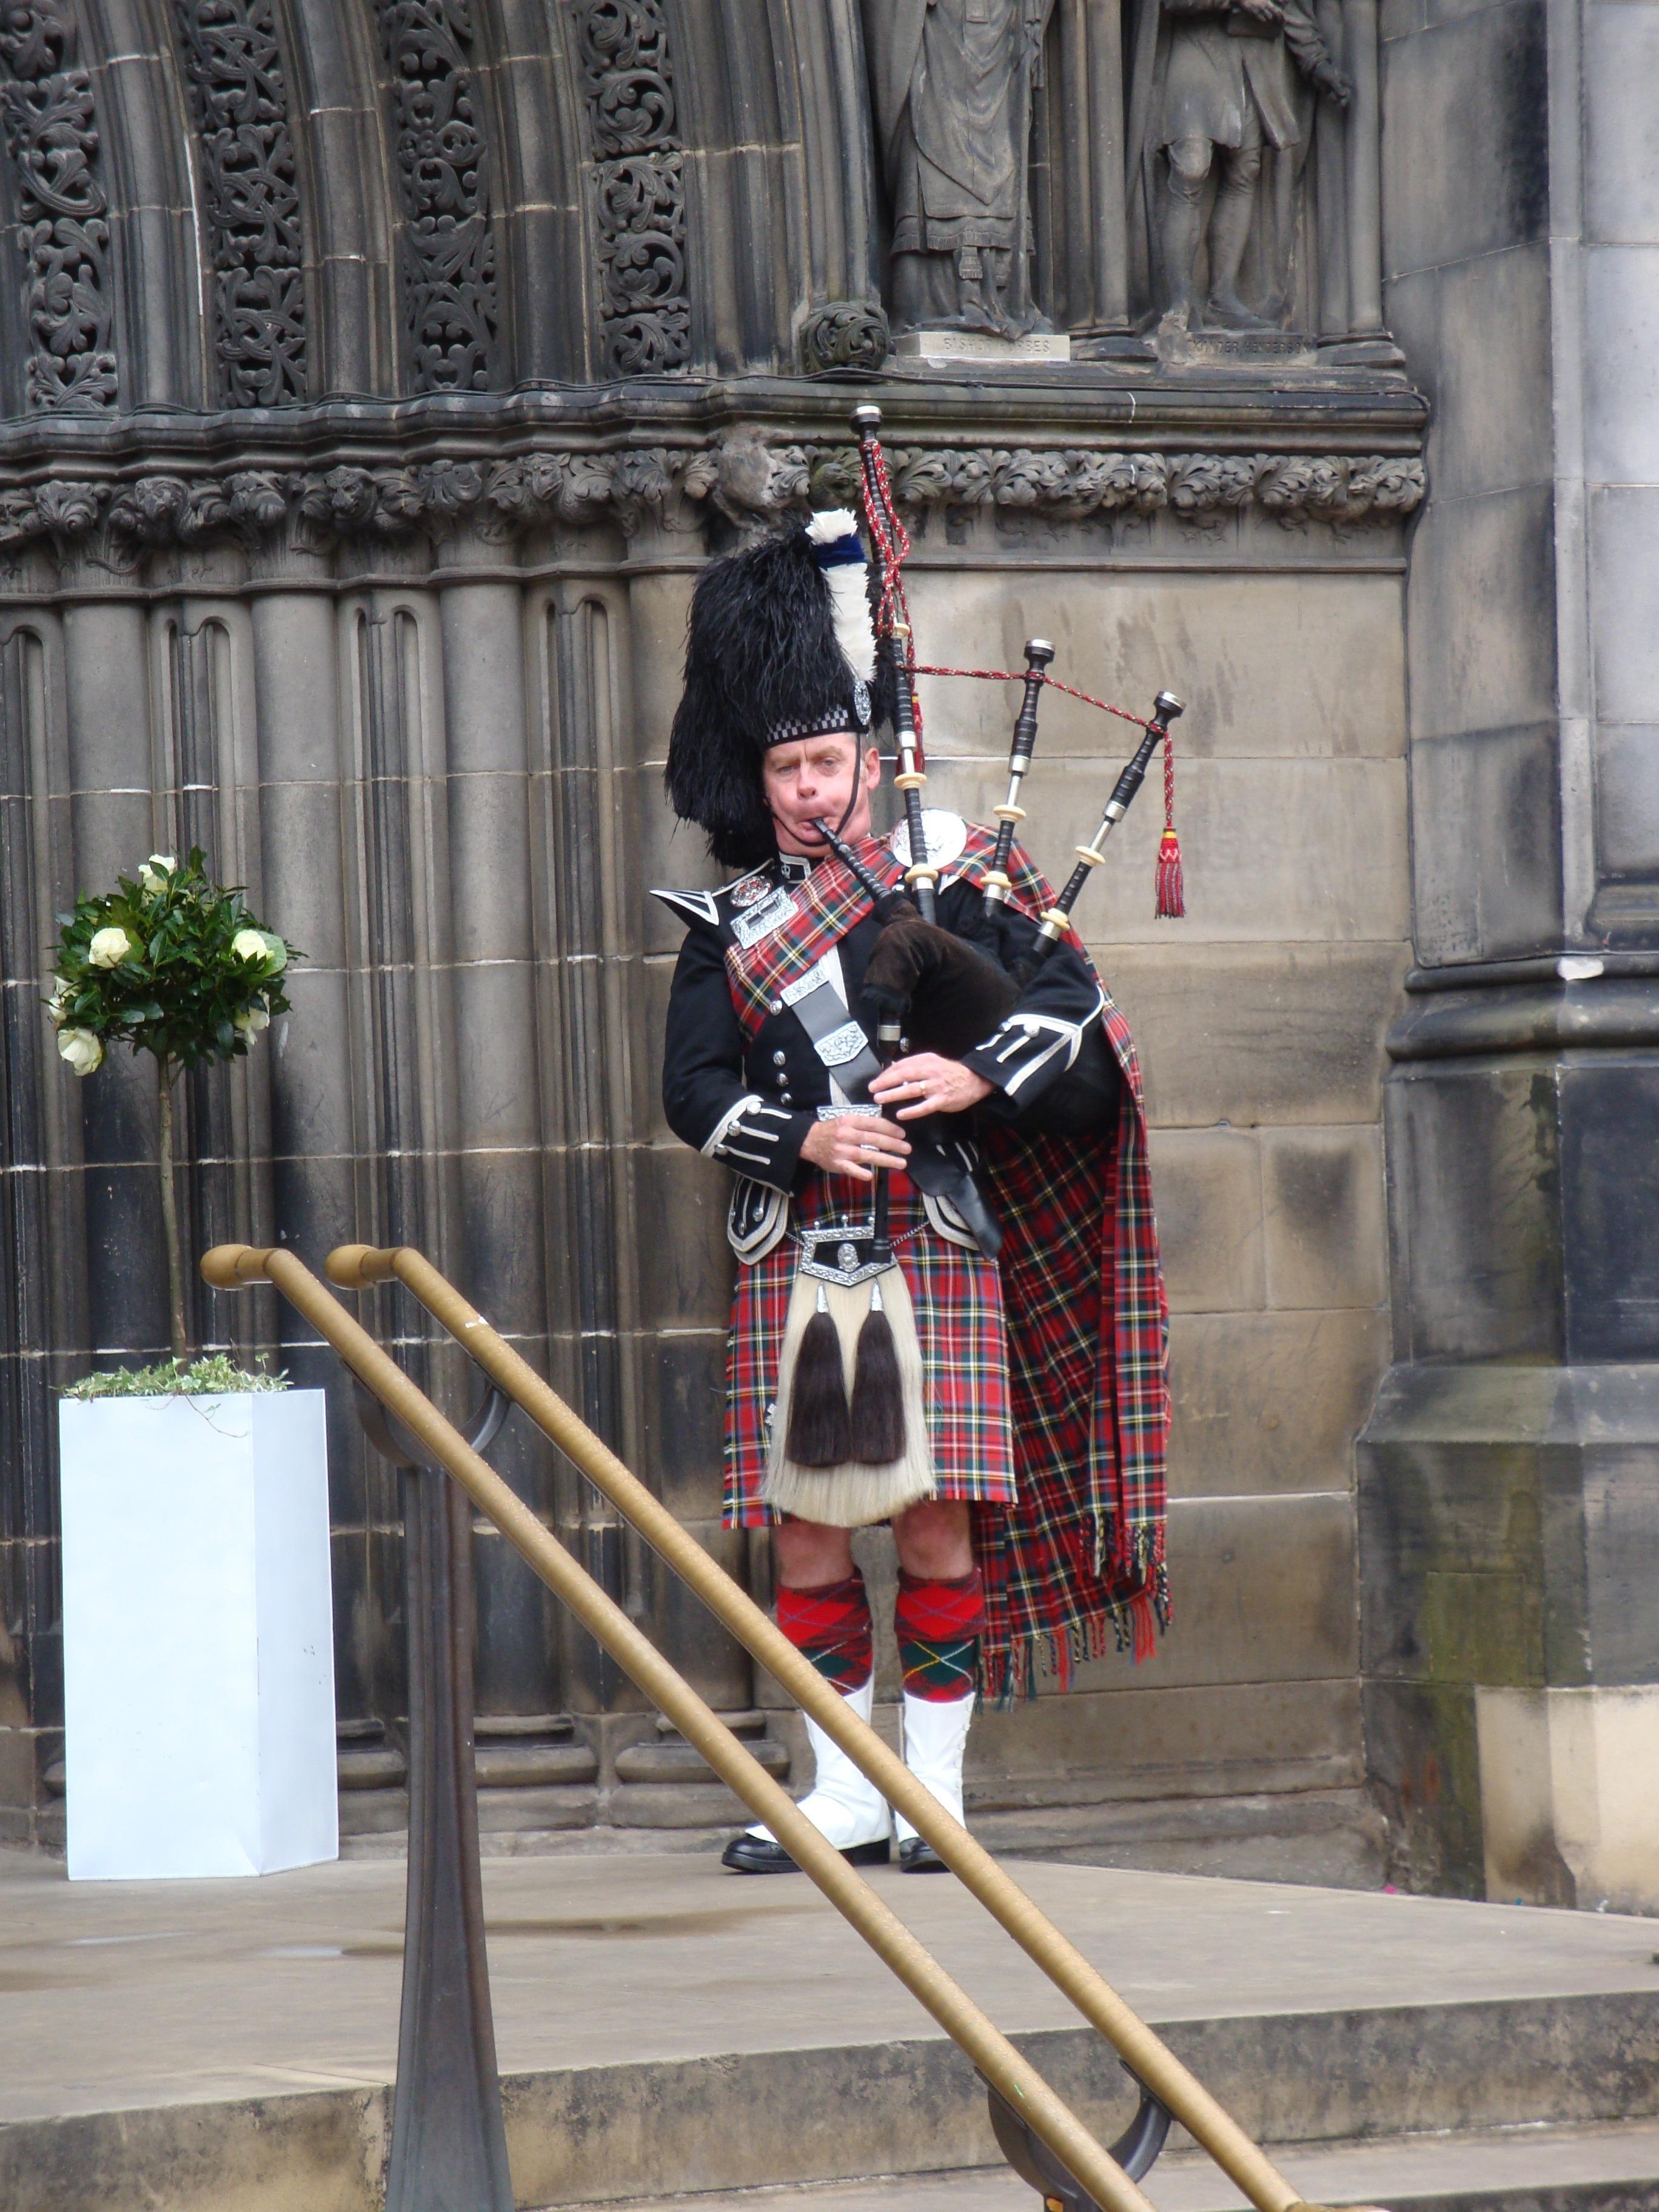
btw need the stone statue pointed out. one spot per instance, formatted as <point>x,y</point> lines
<point>1222,88</point>
<point>953,82</point>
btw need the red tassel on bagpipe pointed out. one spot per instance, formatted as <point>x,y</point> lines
<point>1172,892</point>
<point>1171,900</point>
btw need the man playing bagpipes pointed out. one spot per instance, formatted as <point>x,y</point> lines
<point>949,1312</point>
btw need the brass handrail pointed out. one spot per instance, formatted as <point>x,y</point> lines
<point>356,1267</point>
<point>228,1266</point>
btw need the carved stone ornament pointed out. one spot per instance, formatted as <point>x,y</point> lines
<point>844,334</point>
<point>450,303</point>
<point>239,96</point>
<point>639,186</point>
<point>1069,484</point>
<point>665,487</point>
<point>50,129</point>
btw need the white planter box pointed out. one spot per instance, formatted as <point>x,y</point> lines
<point>198,1658</point>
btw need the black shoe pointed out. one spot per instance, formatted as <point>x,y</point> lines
<point>748,1854</point>
<point>917,1856</point>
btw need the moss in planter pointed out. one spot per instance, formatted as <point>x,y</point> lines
<point>216,1375</point>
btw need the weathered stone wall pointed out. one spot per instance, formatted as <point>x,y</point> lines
<point>346,528</point>
<point>1510,1513</point>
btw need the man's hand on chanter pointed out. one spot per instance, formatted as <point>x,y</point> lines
<point>855,1144</point>
<point>926,1084</point>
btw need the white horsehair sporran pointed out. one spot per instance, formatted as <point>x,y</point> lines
<point>849,1429</point>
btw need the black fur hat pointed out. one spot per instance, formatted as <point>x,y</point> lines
<point>779,646</point>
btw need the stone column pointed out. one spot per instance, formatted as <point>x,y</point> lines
<point>1104,41</point>
<point>108,693</point>
<point>41,1303</point>
<point>206,788</point>
<point>1090,159</point>
<point>1364,205</point>
<point>1509,1509</point>
<point>497,1249</point>
<point>682,1264</point>
<point>303,763</point>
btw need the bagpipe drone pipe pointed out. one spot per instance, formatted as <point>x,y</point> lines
<point>930,990</point>
<point>946,991</point>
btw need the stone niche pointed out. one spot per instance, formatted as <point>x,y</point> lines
<point>353,544</point>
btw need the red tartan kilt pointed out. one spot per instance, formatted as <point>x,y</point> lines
<point>957,1296</point>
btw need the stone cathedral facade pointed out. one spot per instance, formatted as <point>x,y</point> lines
<point>375,377</point>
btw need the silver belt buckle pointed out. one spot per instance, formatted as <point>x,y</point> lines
<point>847,1256</point>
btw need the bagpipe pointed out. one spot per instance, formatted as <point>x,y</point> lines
<point>933,990</point>
<point>849,1443</point>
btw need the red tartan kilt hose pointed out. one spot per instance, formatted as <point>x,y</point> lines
<point>957,1296</point>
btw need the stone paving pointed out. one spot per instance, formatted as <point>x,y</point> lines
<point>156,1992</point>
<point>662,2025</point>
<point>122,1994</point>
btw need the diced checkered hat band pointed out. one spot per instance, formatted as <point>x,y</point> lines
<point>853,714</point>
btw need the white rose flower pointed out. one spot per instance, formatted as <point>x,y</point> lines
<point>156,870</point>
<point>81,1049</point>
<point>60,991</point>
<point>109,947</point>
<point>250,944</point>
<point>256,1018</point>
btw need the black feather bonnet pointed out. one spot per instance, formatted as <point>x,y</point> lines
<point>779,646</point>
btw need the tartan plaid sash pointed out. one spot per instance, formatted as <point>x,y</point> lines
<point>1082,1550</point>
<point>831,902</point>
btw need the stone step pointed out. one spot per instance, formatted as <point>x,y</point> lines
<point>541,1787</point>
<point>745,2117</point>
<point>662,2026</point>
<point>1612,2169</point>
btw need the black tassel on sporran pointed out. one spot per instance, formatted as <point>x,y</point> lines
<point>878,1410</point>
<point>819,1431</point>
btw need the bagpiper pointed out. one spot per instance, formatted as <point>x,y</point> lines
<point>948,1311</point>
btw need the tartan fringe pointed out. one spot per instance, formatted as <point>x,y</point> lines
<point>1010,1677</point>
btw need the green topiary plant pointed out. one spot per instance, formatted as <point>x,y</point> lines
<point>175,966</point>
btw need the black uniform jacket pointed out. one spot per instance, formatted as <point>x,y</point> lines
<point>751,1102</point>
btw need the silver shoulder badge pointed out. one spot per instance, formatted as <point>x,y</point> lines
<point>749,891</point>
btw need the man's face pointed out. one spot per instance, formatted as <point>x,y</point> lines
<point>813,779</point>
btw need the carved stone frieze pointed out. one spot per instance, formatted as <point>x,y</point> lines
<point>51,136</point>
<point>638,186</point>
<point>1071,484</point>
<point>547,488</point>
<point>450,302</point>
<point>662,486</point>
<point>239,97</point>
<point>844,334</point>
<point>668,488</point>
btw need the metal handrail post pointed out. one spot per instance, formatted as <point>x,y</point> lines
<point>448,2137</point>
<point>1147,2056</point>
<point>230,1266</point>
